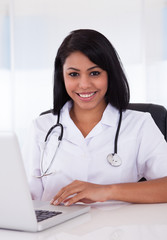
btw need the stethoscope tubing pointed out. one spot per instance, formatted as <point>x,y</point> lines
<point>58,124</point>
<point>117,132</point>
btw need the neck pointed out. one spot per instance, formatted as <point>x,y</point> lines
<point>84,116</point>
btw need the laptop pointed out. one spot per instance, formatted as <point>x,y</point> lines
<point>17,210</point>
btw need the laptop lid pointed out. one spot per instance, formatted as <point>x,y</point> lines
<point>15,198</point>
<point>16,206</point>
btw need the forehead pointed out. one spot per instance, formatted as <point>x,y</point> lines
<point>77,59</point>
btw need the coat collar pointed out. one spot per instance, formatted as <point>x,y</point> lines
<point>110,116</point>
<point>71,132</point>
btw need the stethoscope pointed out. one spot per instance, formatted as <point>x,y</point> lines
<point>112,158</point>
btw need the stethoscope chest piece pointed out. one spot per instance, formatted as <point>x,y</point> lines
<point>114,160</point>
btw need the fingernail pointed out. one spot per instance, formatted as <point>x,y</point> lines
<point>66,203</point>
<point>55,202</point>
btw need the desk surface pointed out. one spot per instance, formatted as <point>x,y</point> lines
<point>106,221</point>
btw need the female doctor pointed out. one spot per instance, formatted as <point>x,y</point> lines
<point>90,148</point>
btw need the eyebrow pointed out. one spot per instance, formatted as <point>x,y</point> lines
<point>71,68</point>
<point>93,67</point>
<point>75,69</point>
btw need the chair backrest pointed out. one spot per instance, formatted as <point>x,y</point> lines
<point>158,113</point>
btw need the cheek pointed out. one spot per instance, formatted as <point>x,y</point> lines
<point>103,85</point>
<point>69,85</point>
<point>104,82</point>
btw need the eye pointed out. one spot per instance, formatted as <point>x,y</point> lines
<point>95,73</point>
<point>74,74</point>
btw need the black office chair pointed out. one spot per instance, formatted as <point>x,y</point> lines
<point>158,113</point>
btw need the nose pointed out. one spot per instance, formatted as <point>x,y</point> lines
<point>84,82</point>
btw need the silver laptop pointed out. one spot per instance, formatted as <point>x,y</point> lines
<point>17,210</point>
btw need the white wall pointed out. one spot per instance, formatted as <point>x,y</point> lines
<point>32,30</point>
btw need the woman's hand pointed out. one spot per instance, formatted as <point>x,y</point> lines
<point>82,192</point>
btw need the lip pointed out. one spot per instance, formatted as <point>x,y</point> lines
<point>86,96</point>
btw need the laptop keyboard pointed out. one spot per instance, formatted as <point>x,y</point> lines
<point>43,215</point>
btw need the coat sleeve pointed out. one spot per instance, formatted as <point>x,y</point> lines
<point>152,151</point>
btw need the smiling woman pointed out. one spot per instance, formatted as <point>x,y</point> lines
<point>96,58</point>
<point>85,83</point>
<point>90,70</point>
<point>91,96</point>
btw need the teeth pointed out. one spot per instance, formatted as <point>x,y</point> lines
<point>86,95</point>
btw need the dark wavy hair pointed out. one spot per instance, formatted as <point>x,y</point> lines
<point>101,52</point>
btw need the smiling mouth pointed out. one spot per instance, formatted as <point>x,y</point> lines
<point>86,95</point>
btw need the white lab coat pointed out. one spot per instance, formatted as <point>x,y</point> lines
<point>141,147</point>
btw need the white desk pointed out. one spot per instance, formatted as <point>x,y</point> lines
<point>107,221</point>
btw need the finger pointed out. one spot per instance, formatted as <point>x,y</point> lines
<point>77,198</point>
<point>83,200</point>
<point>64,189</point>
<point>66,193</point>
<point>86,200</point>
<point>57,196</point>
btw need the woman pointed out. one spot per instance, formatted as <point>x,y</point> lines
<point>91,96</point>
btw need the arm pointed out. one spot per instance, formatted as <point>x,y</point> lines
<point>153,191</point>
